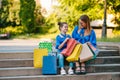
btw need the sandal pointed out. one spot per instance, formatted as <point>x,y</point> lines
<point>83,70</point>
<point>77,70</point>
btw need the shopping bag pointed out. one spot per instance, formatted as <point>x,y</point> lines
<point>38,57</point>
<point>86,53</point>
<point>70,46</point>
<point>45,44</point>
<point>93,49</point>
<point>49,65</point>
<point>75,54</point>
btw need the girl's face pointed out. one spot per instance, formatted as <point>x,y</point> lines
<point>82,23</point>
<point>64,28</point>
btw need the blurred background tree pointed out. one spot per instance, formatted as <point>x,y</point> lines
<point>114,8</point>
<point>27,8</point>
<point>39,20</point>
<point>24,16</point>
<point>4,12</point>
<point>70,11</point>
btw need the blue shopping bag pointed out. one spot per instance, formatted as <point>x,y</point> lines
<point>49,65</point>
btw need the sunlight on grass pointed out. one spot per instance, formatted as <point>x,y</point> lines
<point>36,36</point>
<point>52,35</point>
<point>109,39</point>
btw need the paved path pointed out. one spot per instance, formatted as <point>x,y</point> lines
<point>19,45</point>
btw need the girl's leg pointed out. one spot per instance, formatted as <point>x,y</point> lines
<point>71,64</point>
<point>70,71</point>
<point>61,63</point>
<point>60,60</point>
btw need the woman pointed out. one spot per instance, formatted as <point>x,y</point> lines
<point>83,33</point>
<point>61,44</point>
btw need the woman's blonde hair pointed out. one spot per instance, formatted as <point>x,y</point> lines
<point>86,19</point>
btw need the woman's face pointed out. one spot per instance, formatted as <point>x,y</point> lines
<point>64,28</point>
<point>82,24</point>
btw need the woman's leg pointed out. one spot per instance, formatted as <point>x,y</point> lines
<point>77,64</point>
<point>83,70</point>
<point>77,69</point>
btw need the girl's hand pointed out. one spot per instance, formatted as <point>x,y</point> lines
<point>66,39</point>
<point>62,44</point>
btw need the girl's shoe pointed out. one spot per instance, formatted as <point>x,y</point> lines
<point>70,71</point>
<point>62,72</point>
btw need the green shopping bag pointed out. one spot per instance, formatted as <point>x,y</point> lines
<point>47,45</point>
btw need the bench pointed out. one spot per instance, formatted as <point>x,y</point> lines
<point>5,36</point>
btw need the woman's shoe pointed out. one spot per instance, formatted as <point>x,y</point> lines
<point>83,70</point>
<point>77,70</point>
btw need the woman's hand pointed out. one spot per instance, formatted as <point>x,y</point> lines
<point>88,43</point>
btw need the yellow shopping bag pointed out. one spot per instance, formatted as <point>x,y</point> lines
<point>75,54</point>
<point>38,57</point>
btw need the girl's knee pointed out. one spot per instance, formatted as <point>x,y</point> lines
<point>60,56</point>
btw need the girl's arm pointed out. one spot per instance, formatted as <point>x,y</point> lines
<point>62,44</point>
<point>59,45</point>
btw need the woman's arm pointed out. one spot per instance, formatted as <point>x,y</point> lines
<point>75,34</point>
<point>93,40</point>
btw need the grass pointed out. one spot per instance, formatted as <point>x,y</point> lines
<point>34,36</point>
<point>109,39</point>
<point>53,32</point>
<point>53,35</point>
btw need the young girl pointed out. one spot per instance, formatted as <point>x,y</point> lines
<point>84,33</point>
<point>61,41</point>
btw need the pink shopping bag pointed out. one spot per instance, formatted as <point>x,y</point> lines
<point>70,46</point>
